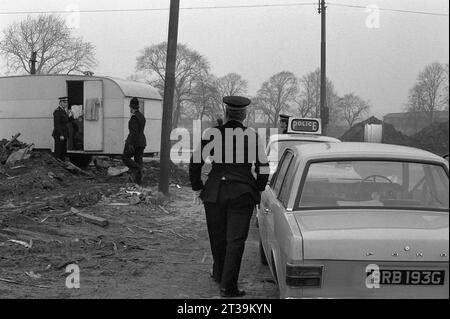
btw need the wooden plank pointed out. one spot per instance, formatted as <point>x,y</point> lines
<point>94,219</point>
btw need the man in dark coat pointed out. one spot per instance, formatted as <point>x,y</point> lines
<point>231,191</point>
<point>135,143</point>
<point>60,128</point>
<point>283,123</point>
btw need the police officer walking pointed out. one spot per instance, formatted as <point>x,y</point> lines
<point>60,128</point>
<point>135,143</point>
<point>231,191</point>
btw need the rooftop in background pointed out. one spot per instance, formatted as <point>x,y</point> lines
<point>129,88</point>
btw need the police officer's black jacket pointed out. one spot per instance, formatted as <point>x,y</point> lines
<point>60,121</point>
<point>136,126</point>
<point>238,172</point>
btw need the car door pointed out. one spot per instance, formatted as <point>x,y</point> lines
<point>271,205</point>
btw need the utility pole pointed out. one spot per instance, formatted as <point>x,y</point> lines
<point>324,111</point>
<point>33,63</point>
<point>169,89</point>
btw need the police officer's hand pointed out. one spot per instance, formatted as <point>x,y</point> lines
<point>197,200</point>
<point>61,138</point>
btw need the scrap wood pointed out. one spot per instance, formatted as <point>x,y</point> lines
<point>22,243</point>
<point>94,219</point>
<point>31,274</point>
<point>118,204</point>
<point>72,211</point>
<point>17,167</point>
<point>45,219</point>
<point>71,167</point>
<point>145,229</point>
<point>164,210</point>
<point>22,154</point>
<point>175,233</point>
<point>23,284</point>
<point>13,139</point>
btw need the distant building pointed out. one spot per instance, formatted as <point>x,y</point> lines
<point>410,123</point>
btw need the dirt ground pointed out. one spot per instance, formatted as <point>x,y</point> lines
<point>153,247</point>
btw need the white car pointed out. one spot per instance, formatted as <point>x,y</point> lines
<point>357,220</point>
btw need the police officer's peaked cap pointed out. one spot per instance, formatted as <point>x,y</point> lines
<point>134,103</point>
<point>236,102</point>
<point>63,99</point>
<point>284,117</point>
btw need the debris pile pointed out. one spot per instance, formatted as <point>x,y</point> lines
<point>13,150</point>
<point>434,138</point>
<point>178,174</point>
<point>134,195</point>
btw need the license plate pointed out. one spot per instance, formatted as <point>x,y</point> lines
<point>411,277</point>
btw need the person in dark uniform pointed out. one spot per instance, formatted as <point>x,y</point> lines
<point>135,143</point>
<point>60,128</point>
<point>283,123</point>
<point>231,191</point>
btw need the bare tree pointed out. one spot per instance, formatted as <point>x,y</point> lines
<point>352,108</point>
<point>190,66</point>
<point>230,84</point>
<point>308,99</point>
<point>428,94</point>
<point>57,50</point>
<point>277,95</point>
<point>202,99</point>
<point>445,98</point>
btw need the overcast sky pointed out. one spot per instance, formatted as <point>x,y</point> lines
<point>379,64</point>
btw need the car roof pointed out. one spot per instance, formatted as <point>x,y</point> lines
<point>301,137</point>
<point>362,150</point>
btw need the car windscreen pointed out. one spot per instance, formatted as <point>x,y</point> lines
<point>374,184</point>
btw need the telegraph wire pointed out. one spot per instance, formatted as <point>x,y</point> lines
<point>391,10</point>
<point>222,7</point>
<point>161,9</point>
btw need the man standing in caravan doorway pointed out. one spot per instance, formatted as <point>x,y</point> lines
<point>60,128</point>
<point>135,143</point>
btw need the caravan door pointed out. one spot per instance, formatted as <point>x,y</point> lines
<point>93,116</point>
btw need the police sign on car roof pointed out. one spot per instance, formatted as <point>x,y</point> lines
<point>304,126</point>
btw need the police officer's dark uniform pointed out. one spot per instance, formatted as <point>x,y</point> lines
<point>60,129</point>
<point>230,195</point>
<point>135,143</point>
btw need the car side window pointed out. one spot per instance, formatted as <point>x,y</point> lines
<point>281,172</point>
<point>287,184</point>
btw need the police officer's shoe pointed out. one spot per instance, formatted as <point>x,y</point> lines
<point>234,293</point>
<point>213,277</point>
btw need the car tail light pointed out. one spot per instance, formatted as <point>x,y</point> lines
<point>303,276</point>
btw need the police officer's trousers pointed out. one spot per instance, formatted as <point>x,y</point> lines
<point>228,222</point>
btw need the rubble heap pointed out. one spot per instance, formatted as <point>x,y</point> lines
<point>434,138</point>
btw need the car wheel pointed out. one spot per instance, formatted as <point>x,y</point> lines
<point>262,255</point>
